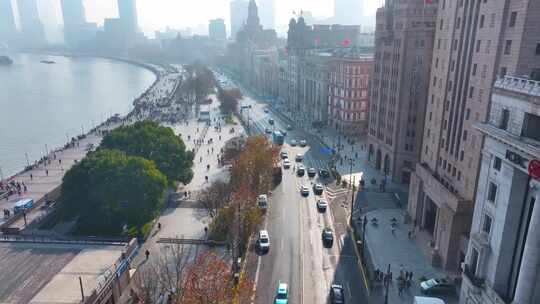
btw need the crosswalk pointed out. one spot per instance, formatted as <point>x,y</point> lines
<point>333,193</point>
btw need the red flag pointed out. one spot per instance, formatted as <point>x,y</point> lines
<point>346,42</point>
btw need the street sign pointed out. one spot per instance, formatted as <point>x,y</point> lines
<point>534,169</point>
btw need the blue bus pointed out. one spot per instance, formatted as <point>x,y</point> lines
<point>23,204</point>
<point>278,138</point>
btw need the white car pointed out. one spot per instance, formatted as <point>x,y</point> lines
<point>263,241</point>
<point>286,163</point>
<point>303,143</point>
<point>304,190</point>
<point>299,157</point>
<point>262,201</point>
<point>322,205</point>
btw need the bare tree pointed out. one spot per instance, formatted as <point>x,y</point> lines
<point>215,197</point>
<point>163,276</point>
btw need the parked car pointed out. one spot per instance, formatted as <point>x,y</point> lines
<point>304,190</point>
<point>299,157</point>
<point>324,173</point>
<point>293,143</point>
<point>284,154</point>
<point>282,294</point>
<point>311,172</point>
<point>264,241</point>
<point>336,294</point>
<point>303,143</point>
<point>437,286</point>
<point>286,163</point>
<point>262,201</point>
<point>318,189</point>
<point>322,205</point>
<point>300,171</point>
<point>271,121</point>
<point>327,237</point>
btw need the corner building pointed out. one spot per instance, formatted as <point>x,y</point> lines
<point>404,38</point>
<point>503,258</point>
<point>475,40</point>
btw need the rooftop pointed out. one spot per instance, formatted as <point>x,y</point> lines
<point>49,273</point>
<point>519,85</point>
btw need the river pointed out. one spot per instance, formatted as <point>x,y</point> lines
<point>41,105</point>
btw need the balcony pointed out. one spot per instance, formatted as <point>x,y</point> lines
<point>473,278</point>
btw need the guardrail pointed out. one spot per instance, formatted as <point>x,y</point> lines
<point>9,238</point>
<point>191,241</point>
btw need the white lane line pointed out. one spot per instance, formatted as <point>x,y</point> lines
<point>349,290</point>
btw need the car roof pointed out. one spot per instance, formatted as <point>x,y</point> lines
<point>263,233</point>
<point>282,288</point>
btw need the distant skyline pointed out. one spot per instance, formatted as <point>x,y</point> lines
<point>159,14</point>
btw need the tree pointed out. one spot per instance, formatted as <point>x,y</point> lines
<point>229,100</point>
<point>254,166</point>
<point>215,197</point>
<point>154,142</point>
<point>109,189</point>
<point>199,82</point>
<point>210,281</point>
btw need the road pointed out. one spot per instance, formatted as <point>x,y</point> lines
<point>297,256</point>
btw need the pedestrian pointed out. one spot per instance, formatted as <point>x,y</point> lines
<point>31,176</point>
<point>409,234</point>
<point>47,172</point>
<point>400,288</point>
<point>147,254</point>
<point>393,231</point>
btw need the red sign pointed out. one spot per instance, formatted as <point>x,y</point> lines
<point>534,169</point>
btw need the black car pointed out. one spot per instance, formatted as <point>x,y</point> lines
<point>327,237</point>
<point>318,189</point>
<point>324,173</point>
<point>300,171</point>
<point>311,172</point>
<point>336,294</point>
<point>271,121</point>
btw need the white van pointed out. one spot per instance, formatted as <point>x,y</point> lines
<point>427,300</point>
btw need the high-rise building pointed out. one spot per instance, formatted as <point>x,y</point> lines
<point>127,12</point>
<point>239,13</point>
<point>217,29</point>
<point>74,20</point>
<point>404,44</point>
<point>348,12</point>
<point>7,21</point>
<point>32,30</point>
<point>267,12</point>
<point>503,257</point>
<point>474,42</point>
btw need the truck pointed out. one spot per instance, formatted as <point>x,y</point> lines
<point>23,204</point>
<point>278,138</point>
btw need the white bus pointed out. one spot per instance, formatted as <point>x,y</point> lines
<point>204,113</point>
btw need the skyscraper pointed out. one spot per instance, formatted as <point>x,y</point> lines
<point>217,30</point>
<point>399,97</point>
<point>267,11</point>
<point>7,21</point>
<point>474,42</point>
<point>127,11</point>
<point>32,30</point>
<point>239,12</point>
<point>348,12</point>
<point>74,20</point>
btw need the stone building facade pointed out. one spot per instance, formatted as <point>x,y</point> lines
<point>503,257</point>
<point>404,37</point>
<point>348,91</point>
<point>474,41</point>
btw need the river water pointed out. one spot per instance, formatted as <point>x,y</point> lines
<point>41,105</point>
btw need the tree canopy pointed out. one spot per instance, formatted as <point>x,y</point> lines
<point>198,83</point>
<point>109,189</point>
<point>154,142</point>
<point>229,100</point>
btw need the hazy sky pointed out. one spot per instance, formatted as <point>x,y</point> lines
<point>155,14</point>
<point>158,14</point>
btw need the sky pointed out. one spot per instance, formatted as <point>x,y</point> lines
<point>158,14</point>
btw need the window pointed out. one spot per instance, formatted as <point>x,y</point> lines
<point>505,117</point>
<point>467,114</point>
<point>486,226</point>
<point>473,262</point>
<point>471,92</point>
<point>503,71</point>
<point>492,192</point>
<point>513,17</point>
<point>481,21</point>
<point>474,69</point>
<point>437,62</point>
<point>461,155</point>
<point>458,23</point>
<point>488,46</point>
<point>492,20</point>
<point>531,125</point>
<point>441,24</point>
<point>497,163</point>
<point>465,133</point>
<point>507,47</point>
<point>538,49</point>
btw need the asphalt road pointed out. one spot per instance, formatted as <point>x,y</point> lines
<point>297,256</point>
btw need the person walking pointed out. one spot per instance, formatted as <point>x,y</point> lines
<point>147,254</point>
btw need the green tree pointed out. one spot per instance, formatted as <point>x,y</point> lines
<point>109,189</point>
<point>229,100</point>
<point>154,142</point>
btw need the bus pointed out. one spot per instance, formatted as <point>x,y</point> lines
<point>278,138</point>
<point>23,204</point>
